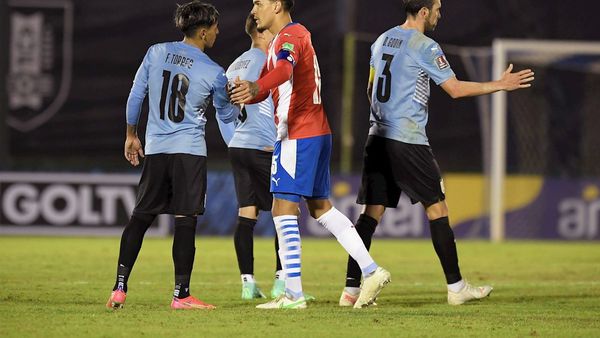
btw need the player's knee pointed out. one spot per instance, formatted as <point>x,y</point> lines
<point>250,212</point>
<point>374,211</point>
<point>316,213</point>
<point>185,221</point>
<point>318,207</point>
<point>437,210</point>
<point>140,220</point>
<point>285,204</point>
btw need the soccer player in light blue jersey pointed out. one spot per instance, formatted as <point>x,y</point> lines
<point>398,157</point>
<point>250,152</point>
<point>179,79</point>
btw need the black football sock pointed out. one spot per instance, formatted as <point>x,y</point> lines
<point>444,244</point>
<point>122,278</point>
<point>365,226</point>
<point>182,286</point>
<point>243,239</point>
<point>131,243</point>
<point>184,250</point>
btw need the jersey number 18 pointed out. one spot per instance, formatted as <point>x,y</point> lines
<point>176,105</point>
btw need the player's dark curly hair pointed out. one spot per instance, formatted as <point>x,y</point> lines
<point>193,15</point>
<point>412,7</point>
<point>288,5</point>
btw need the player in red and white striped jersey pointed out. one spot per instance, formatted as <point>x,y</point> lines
<point>300,167</point>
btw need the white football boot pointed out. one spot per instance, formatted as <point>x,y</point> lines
<point>467,293</point>
<point>372,286</point>
<point>283,302</point>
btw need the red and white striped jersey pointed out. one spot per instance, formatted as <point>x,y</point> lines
<point>299,112</point>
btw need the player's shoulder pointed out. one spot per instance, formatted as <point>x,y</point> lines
<point>156,48</point>
<point>235,62</point>
<point>162,47</point>
<point>391,32</point>
<point>421,43</point>
<point>252,58</point>
<point>208,64</point>
<point>253,54</point>
<point>295,29</point>
<point>155,52</point>
<point>395,34</point>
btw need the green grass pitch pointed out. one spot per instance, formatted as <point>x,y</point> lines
<point>58,287</point>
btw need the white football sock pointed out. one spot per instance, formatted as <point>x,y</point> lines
<point>341,227</point>
<point>456,287</point>
<point>279,274</point>
<point>352,291</point>
<point>290,253</point>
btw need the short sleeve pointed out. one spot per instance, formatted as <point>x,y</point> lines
<point>434,62</point>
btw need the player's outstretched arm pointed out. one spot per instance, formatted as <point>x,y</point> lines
<point>133,146</point>
<point>253,92</point>
<point>511,81</point>
<point>508,82</point>
<point>247,92</point>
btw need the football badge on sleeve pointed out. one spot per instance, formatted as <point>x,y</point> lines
<point>441,62</point>
<point>288,46</point>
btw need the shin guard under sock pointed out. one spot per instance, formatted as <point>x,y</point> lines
<point>444,244</point>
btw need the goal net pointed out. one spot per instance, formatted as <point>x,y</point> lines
<point>544,154</point>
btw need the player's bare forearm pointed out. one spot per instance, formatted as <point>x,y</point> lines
<point>508,82</point>
<point>457,89</point>
<point>131,130</point>
<point>254,92</point>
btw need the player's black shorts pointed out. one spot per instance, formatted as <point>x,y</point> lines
<point>252,174</point>
<point>391,167</point>
<point>172,184</point>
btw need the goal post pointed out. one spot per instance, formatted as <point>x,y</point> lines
<point>545,51</point>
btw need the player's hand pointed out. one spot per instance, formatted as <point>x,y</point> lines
<point>244,91</point>
<point>512,81</point>
<point>231,86</point>
<point>133,150</point>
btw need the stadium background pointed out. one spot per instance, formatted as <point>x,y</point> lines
<point>110,37</point>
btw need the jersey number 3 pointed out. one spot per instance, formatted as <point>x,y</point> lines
<point>176,106</point>
<point>384,83</point>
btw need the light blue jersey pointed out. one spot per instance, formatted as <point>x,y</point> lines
<point>404,61</point>
<point>180,79</point>
<point>255,127</point>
